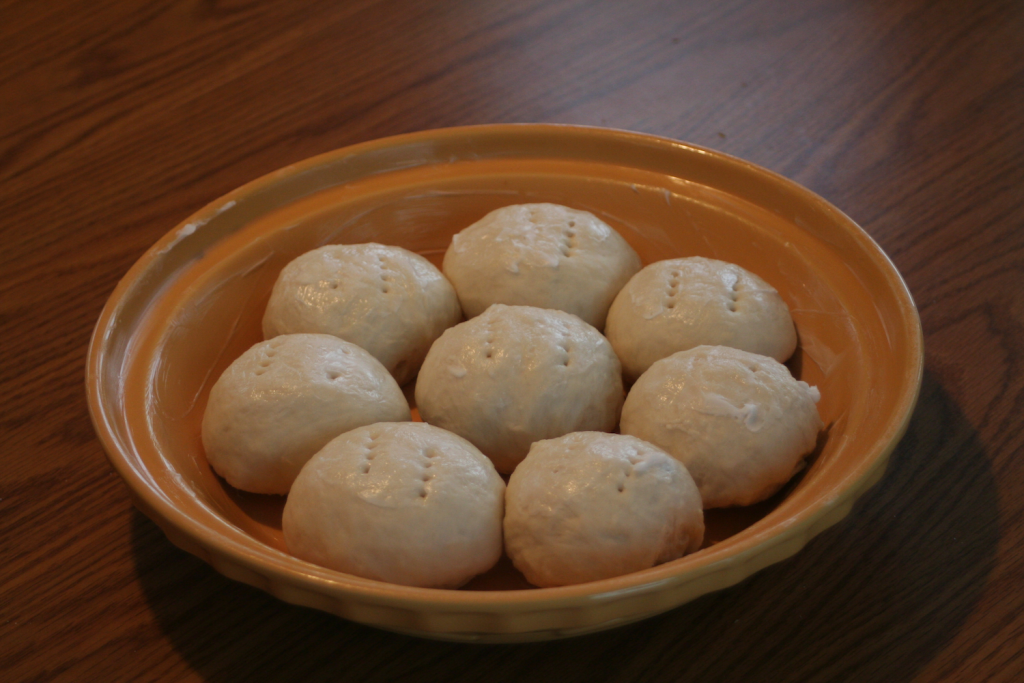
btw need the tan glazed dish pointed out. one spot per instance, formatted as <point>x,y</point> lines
<point>194,302</point>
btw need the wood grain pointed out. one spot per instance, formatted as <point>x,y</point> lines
<point>120,118</point>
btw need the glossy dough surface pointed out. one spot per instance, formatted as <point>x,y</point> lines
<point>542,255</point>
<point>405,503</point>
<point>279,402</point>
<point>388,300</point>
<point>678,304</point>
<point>739,422</point>
<point>590,506</point>
<point>518,374</point>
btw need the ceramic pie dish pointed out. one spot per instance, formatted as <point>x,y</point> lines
<point>194,301</point>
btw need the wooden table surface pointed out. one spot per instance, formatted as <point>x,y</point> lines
<point>120,118</point>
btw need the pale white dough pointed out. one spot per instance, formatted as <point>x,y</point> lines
<point>404,503</point>
<point>542,255</point>
<point>518,374</point>
<point>739,421</point>
<point>590,506</point>
<point>388,300</point>
<point>283,399</point>
<point>678,304</point>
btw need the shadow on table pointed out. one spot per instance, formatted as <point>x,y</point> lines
<point>904,571</point>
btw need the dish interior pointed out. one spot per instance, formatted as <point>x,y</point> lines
<point>209,312</point>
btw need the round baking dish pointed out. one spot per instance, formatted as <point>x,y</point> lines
<point>193,303</point>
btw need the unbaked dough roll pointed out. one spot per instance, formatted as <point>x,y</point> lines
<point>590,506</point>
<point>678,304</point>
<point>739,422</point>
<point>283,399</point>
<point>542,255</point>
<point>388,300</point>
<point>404,503</point>
<point>518,374</point>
